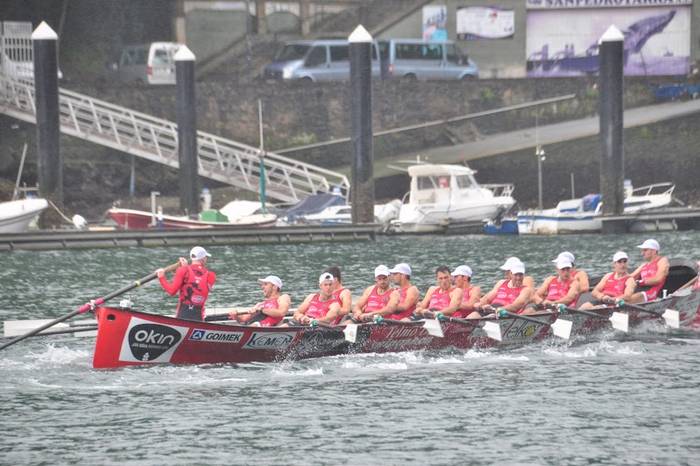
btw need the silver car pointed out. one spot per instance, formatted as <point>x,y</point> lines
<point>415,59</point>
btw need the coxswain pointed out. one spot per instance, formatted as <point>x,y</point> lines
<point>651,276</point>
<point>561,288</point>
<point>408,293</point>
<point>341,293</point>
<point>580,275</point>
<point>193,281</point>
<point>270,311</point>
<point>615,285</point>
<point>377,300</point>
<point>443,297</point>
<point>471,294</point>
<point>511,294</point>
<point>322,306</point>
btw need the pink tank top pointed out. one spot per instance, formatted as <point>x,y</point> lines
<point>649,271</point>
<point>270,321</point>
<point>506,295</point>
<point>403,314</point>
<point>317,308</point>
<point>440,299</point>
<point>465,299</point>
<point>615,287</point>
<point>376,301</point>
<point>558,289</point>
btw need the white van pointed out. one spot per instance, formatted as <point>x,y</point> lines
<point>315,60</point>
<point>416,59</point>
<point>152,63</point>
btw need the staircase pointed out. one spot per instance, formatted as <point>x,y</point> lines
<point>155,139</point>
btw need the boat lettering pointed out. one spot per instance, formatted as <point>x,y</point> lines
<point>405,332</point>
<point>148,341</point>
<point>269,340</point>
<point>399,344</point>
<point>216,336</point>
<point>319,341</point>
<point>522,331</point>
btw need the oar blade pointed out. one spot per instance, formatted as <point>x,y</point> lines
<point>562,328</point>
<point>13,328</point>
<point>350,332</point>
<point>433,327</point>
<point>620,321</point>
<point>672,318</point>
<point>493,330</point>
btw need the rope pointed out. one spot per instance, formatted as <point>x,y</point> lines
<point>59,212</point>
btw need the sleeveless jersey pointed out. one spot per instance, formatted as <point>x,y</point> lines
<point>649,271</point>
<point>376,301</point>
<point>193,293</point>
<point>465,299</point>
<point>506,295</point>
<point>317,308</point>
<point>440,299</point>
<point>270,321</point>
<point>558,289</point>
<point>402,314</point>
<point>615,287</point>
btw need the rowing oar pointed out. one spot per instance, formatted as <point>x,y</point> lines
<point>619,320</point>
<point>670,316</point>
<point>90,305</point>
<point>80,329</point>
<point>491,328</point>
<point>560,327</point>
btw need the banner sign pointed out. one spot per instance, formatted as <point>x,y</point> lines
<point>484,22</point>
<point>565,42</point>
<point>435,22</point>
<point>559,4</point>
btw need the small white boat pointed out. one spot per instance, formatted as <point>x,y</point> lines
<point>444,195</point>
<point>342,214</point>
<point>583,215</point>
<point>15,216</point>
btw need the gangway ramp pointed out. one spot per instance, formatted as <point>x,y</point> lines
<point>155,139</point>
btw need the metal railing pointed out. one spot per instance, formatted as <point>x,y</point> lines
<point>155,139</point>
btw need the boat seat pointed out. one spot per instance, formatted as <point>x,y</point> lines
<point>680,273</point>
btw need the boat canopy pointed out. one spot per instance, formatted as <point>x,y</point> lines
<point>439,170</point>
<point>313,205</point>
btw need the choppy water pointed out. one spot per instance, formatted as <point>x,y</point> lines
<point>613,400</point>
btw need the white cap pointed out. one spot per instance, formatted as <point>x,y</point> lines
<point>563,263</point>
<point>509,262</point>
<point>324,277</point>
<point>274,279</point>
<point>462,270</point>
<point>620,255</point>
<point>381,270</point>
<point>565,255</point>
<point>198,253</point>
<point>650,244</point>
<point>401,268</point>
<point>517,267</point>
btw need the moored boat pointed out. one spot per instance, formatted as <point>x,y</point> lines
<point>127,337</point>
<point>140,220</point>
<point>15,216</point>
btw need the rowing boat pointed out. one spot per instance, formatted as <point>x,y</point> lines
<point>129,337</point>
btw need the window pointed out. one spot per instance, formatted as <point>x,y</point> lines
<point>292,52</point>
<point>453,55</point>
<point>426,182</point>
<point>316,57</point>
<point>160,57</point>
<point>339,53</point>
<point>419,52</point>
<point>464,181</point>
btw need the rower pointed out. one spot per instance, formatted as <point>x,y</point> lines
<point>580,275</point>
<point>341,293</point>
<point>511,294</point>
<point>470,294</point>
<point>561,288</point>
<point>270,311</point>
<point>408,293</point>
<point>193,282</point>
<point>651,275</point>
<point>322,306</point>
<point>527,280</point>
<point>614,286</point>
<point>377,300</point>
<point>442,298</point>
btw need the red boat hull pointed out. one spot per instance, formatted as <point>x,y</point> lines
<point>128,338</point>
<point>129,219</point>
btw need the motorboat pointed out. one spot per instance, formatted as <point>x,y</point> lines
<point>131,219</point>
<point>15,216</point>
<point>583,215</point>
<point>342,214</point>
<point>445,195</point>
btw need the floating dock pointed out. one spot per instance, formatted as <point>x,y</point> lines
<point>670,219</point>
<point>60,239</point>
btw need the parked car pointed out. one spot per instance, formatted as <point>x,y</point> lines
<point>315,60</point>
<point>416,59</point>
<point>152,63</point>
